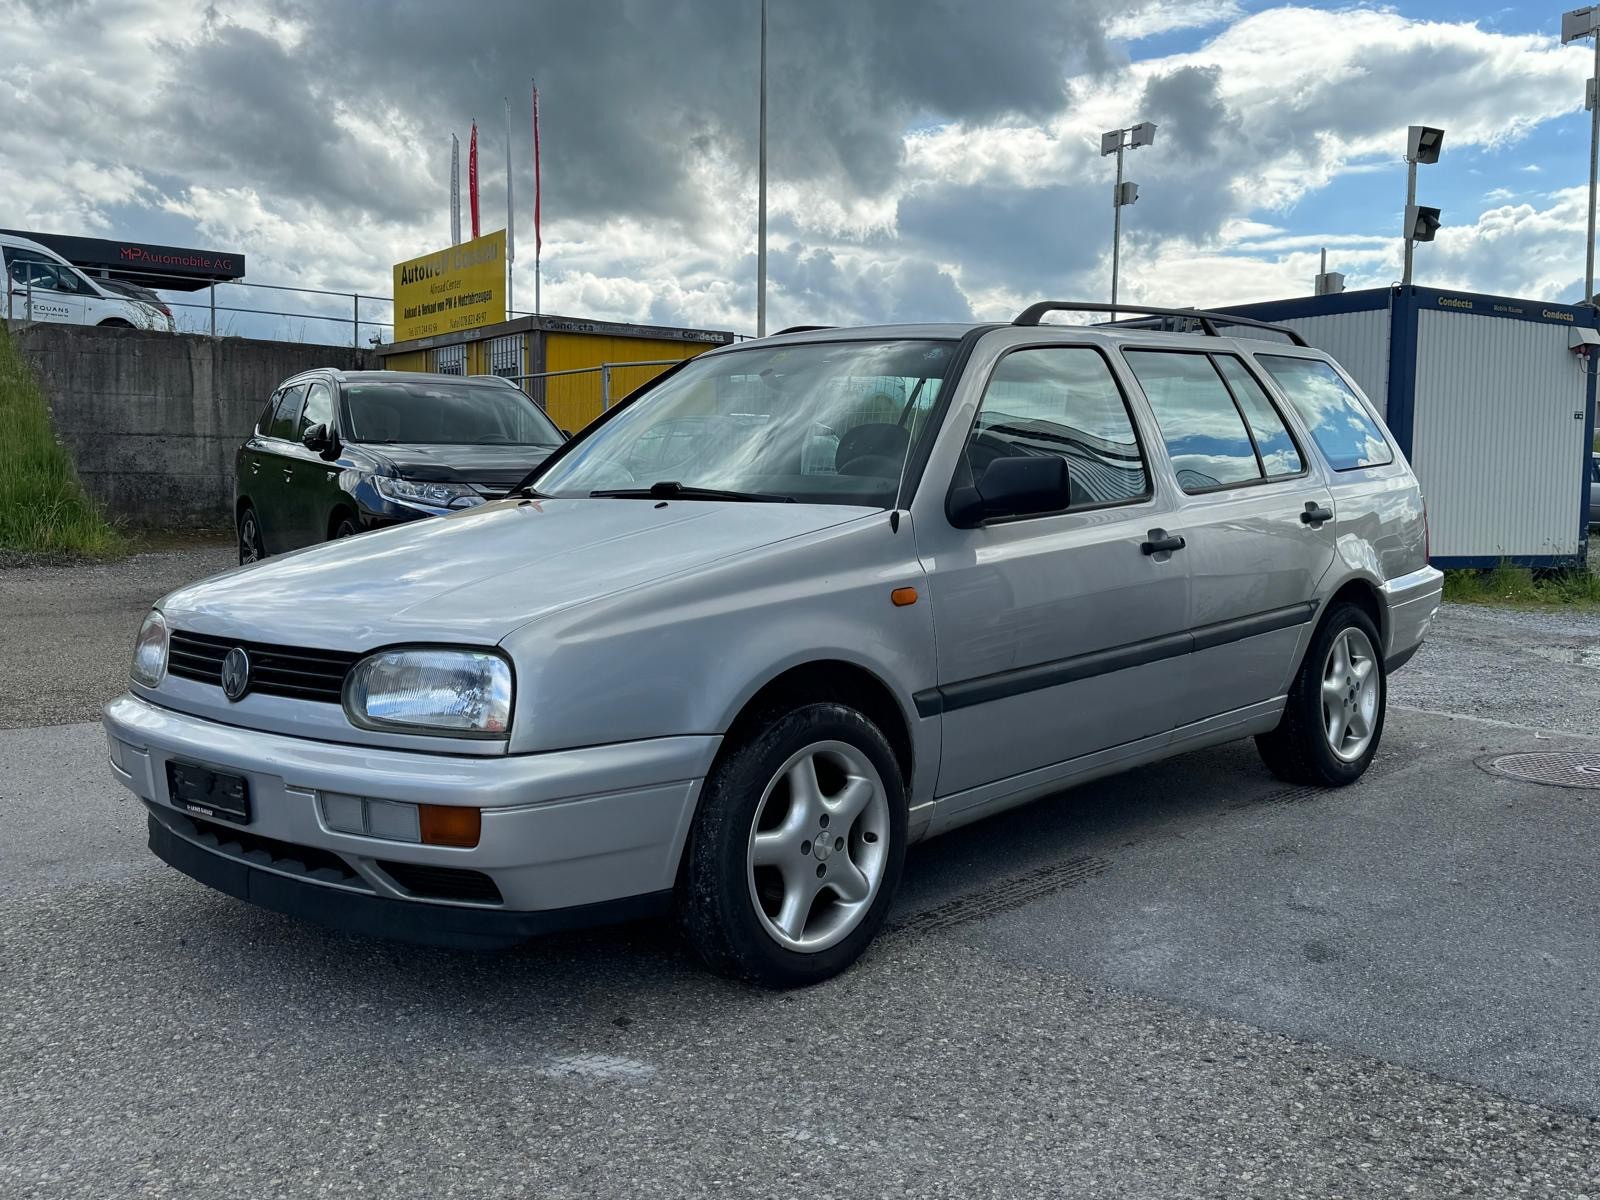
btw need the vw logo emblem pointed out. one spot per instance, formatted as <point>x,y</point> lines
<point>236,674</point>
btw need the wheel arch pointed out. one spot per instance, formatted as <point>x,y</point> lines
<point>340,510</point>
<point>838,680</point>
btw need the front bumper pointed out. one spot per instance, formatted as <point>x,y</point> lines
<point>1412,601</point>
<point>598,830</point>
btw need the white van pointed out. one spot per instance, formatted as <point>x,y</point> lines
<point>43,286</point>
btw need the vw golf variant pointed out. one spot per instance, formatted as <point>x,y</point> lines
<point>898,579</point>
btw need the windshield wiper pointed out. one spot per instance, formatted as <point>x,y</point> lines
<point>671,489</point>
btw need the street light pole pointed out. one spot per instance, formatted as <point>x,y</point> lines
<point>1594,172</point>
<point>1423,144</point>
<point>1576,25</point>
<point>1411,207</point>
<point>761,192</point>
<point>1116,232</point>
<point>1115,142</point>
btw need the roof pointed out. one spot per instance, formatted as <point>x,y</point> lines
<point>951,331</point>
<point>171,268</point>
<point>344,375</point>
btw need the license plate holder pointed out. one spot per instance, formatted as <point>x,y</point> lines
<point>215,795</point>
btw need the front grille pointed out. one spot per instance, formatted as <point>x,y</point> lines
<point>443,883</point>
<point>292,671</point>
<point>270,852</point>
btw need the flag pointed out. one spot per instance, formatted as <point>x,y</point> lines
<point>538,189</point>
<point>472,178</point>
<point>511,208</point>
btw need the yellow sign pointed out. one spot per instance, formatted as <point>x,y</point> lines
<point>462,287</point>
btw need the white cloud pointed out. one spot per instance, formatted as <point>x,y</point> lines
<point>1265,112</point>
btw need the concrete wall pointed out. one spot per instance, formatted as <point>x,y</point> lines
<point>153,419</point>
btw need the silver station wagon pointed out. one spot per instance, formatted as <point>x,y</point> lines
<point>794,605</point>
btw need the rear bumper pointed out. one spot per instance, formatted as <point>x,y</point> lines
<point>1412,602</point>
<point>597,830</point>
<point>456,927</point>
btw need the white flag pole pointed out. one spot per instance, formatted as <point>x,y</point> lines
<point>455,190</point>
<point>511,216</point>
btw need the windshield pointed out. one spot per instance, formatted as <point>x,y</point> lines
<point>442,413</point>
<point>825,423</point>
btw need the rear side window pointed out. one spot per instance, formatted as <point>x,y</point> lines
<point>264,421</point>
<point>1203,430</point>
<point>1063,401</point>
<point>287,414</point>
<point>1340,424</point>
<point>1279,455</point>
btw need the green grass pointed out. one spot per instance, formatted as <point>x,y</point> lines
<point>1518,587</point>
<point>43,509</point>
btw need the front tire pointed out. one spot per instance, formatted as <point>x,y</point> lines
<point>797,848</point>
<point>1333,720</point>
<point>345,527</point>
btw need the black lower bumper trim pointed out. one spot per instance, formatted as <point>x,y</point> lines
<point>378,916</point>
<point>1395,661</point>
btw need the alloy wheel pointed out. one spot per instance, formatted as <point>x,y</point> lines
<point>818,846</point>
<point>1351,685</point>
<point>249,538</point>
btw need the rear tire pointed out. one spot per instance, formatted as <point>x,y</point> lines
<point>251,547</point>
<point>345,527</point>
<point>1333,720</point>
<point>797,848</point>
<point>115,323</point>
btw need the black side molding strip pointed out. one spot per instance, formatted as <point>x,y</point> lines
<point>981,690</point>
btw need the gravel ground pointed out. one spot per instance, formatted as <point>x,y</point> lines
<point>1529,667</point>
<point>70,629</point>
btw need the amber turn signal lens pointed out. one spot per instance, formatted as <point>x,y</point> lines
<point>903,596</point>
<point>447,825</point>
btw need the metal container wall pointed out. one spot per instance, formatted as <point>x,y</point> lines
<point>1497,435</point>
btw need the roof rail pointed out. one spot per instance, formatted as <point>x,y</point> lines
<point>802,329</point>
<point>1207,319</point>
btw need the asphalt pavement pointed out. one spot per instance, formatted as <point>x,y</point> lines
<point>1190,980</point>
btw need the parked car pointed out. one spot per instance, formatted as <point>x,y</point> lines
<point>739,690</point>
<point>335,452</point>
<point>160,313</point>
<point>1594,489</point>
<point>43,286</point>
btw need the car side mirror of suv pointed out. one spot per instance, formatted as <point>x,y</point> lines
<point>1026,485</point>
<point>317,439</point>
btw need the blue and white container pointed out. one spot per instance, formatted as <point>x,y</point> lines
<point>1490,400</point>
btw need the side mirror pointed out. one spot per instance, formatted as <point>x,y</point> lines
<point>1024,486</point>
<point>317,439</point>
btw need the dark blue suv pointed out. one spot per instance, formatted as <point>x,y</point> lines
<point>337,452</point>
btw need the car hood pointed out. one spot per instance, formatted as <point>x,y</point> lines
<point>502,465</point>
<point>475,576</point>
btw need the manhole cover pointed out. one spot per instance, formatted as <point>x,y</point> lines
<point>1559,768</point>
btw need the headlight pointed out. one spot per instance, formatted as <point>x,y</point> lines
<point>433,495</point>
<point>462,692</point>
<point>150,651</point>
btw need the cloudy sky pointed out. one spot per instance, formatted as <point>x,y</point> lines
<point>929,158</point>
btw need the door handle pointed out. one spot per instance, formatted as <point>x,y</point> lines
<point>1161,542</point>
<point>1315,514</point>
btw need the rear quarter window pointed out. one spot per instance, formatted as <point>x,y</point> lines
<point>1337,419</point>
